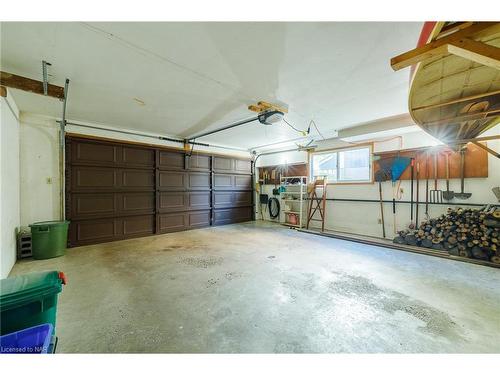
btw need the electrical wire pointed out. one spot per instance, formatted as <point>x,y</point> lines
<point>294,128</point>
<point>316,127</point>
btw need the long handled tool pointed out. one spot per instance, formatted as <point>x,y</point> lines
<point>462,195</point>
<point>436,196</point>
<point>383,174</point>
<point>381,207</point>
<point>412,169</point>
<point>417,187</point>
<point>398,167</point>
<point>448,194</point>
<point>426,186</point>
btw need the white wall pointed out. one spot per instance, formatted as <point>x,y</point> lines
<point>9,183</point>
<point>39,162</point>
<point>40,200</point>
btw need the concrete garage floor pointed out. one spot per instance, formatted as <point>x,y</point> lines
<point>260,287</point>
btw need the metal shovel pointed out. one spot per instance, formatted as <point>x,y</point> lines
<point>496,191</point>
<point>435,195</point>
<point>462,195</point>
<point>448,194</point>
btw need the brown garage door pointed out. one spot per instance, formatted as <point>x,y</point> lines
<point>116,190</point>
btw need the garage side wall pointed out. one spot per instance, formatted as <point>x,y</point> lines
<point>9,183</point>
<point>363,217</point>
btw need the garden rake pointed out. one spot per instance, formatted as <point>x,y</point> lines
<point>436,195</point>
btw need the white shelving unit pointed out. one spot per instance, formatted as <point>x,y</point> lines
<point>293,194</point>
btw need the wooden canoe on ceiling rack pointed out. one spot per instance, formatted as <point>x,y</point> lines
<point>455,79</point>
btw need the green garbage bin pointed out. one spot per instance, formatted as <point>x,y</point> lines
<point>49,239</point>
<point>29,300</point>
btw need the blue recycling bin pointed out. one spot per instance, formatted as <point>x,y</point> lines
<point>33,340</point>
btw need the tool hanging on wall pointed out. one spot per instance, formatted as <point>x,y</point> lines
<point>462,195</point>
<point>398,167</point>
<point>496,191</point>
<point>436,196</point>
<point>448,194</point>
<point>383,174</point>
<point>417,199</point>
<point>412,172</point>
<point>426,186</point>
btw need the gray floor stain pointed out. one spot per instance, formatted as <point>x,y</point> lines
<point>211,282</point>
<point>171,247</point>
<point>233,275</point>
<point>361,289</point>
<point>204,262</point>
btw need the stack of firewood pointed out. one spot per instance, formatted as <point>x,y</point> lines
<point>466,232</point>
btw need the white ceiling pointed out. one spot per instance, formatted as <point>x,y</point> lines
<point>198,76</point>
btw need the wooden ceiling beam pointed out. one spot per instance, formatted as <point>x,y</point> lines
<point>440,46</point>
<point>464,118</point>
<point>456,101</point>
<point>478,52</point>
<point>31,85</point>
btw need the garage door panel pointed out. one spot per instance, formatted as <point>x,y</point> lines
<point>198,181</point>
<point>138,225</point>
<point>94,178</point>
<point>171,160</point>
<point>94,153</point>
<point>173,222</point>
<point>222,164</point>
<point>93,205</point>
<point>93,231</point>
<point>232,215</point>
<point>137,179</point>
<point>232,182</point>
<point>132,203</point>
<point>197,219</point>
<point>183,201</point>
<point>243,166</point>
<point>227,199</point>
<point>172,180</point>
<point>229,165</point>
<point>137,157</point>
<point>199,162</point>
<point>223,181</point>
<point>199,200</point>
<point>243,182</point>
<point>110,229</point>
<point>173,201</point>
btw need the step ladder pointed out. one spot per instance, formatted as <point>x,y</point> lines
<point>317,202</point>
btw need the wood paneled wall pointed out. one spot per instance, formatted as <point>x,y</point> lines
<point>117,190</point>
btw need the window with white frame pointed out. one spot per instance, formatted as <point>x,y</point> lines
<point>345,165</point>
